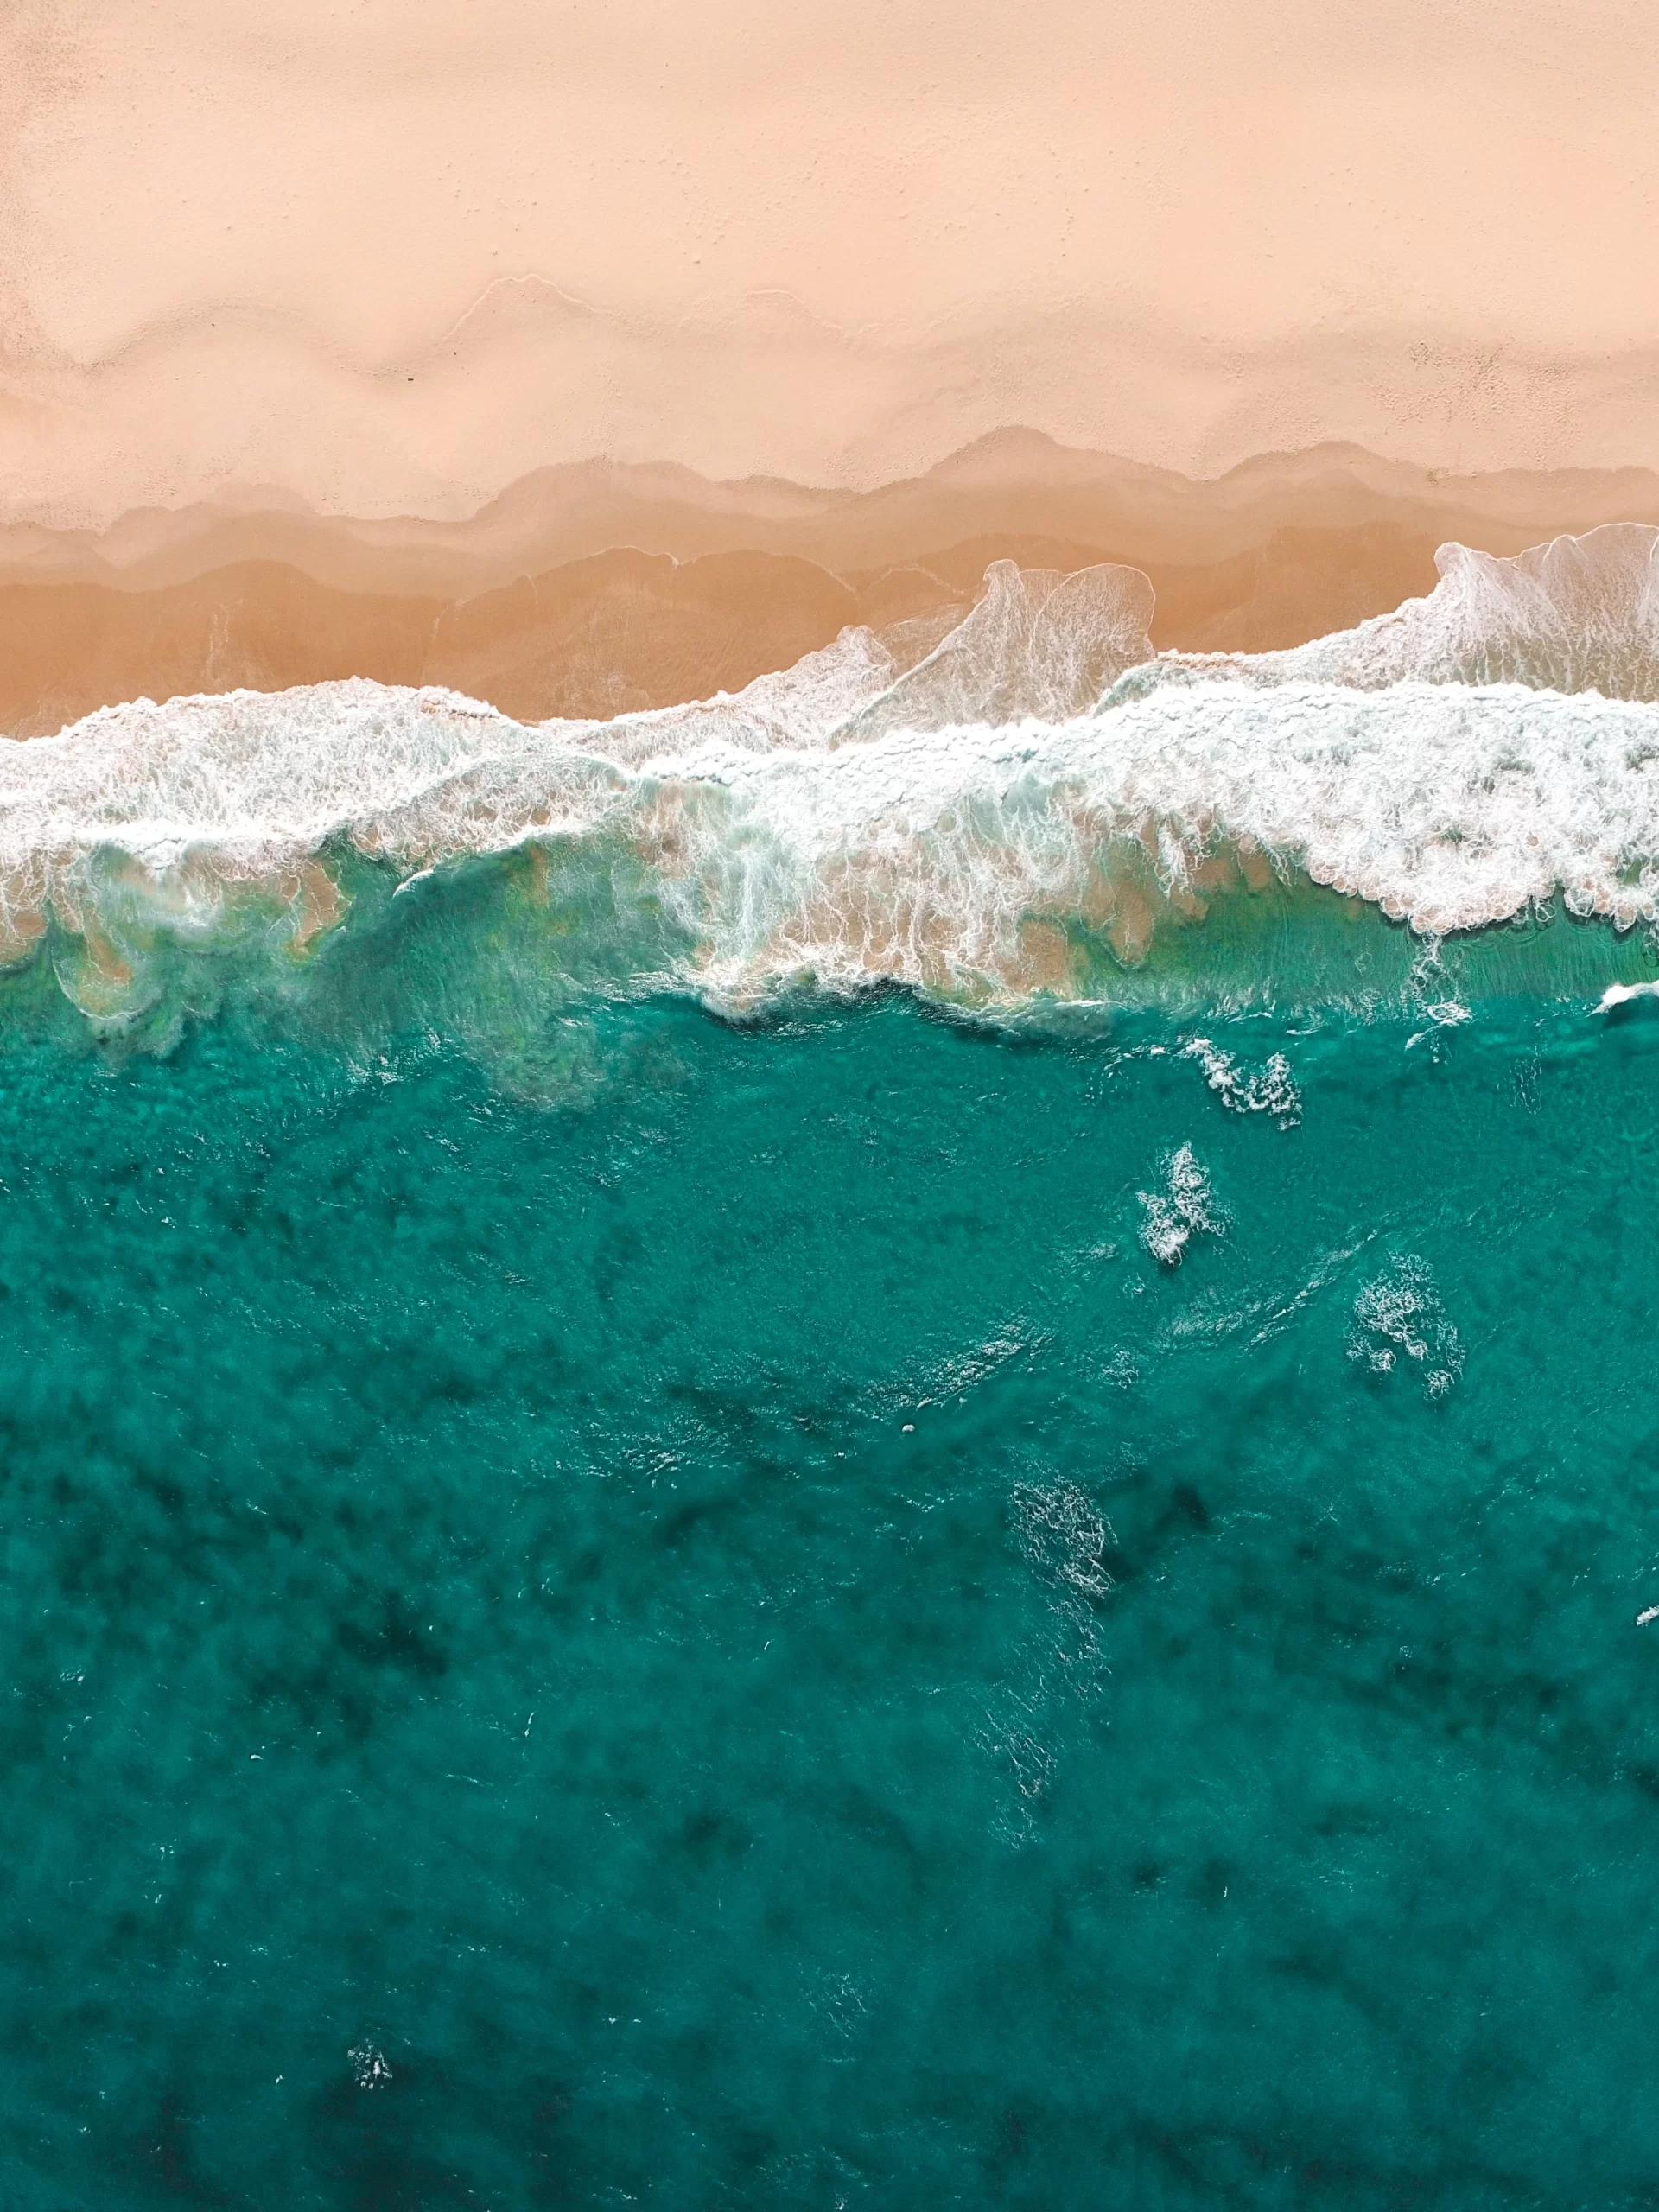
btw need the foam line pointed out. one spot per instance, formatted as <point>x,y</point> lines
<point>929,857</point>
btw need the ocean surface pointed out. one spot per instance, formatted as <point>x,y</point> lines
<point>885,1445</point>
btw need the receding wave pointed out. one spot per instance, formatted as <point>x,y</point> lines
<point>1036,644</point>
<point>1578,614</point>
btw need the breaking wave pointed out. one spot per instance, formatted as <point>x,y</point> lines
<point>1185,1208</point>
<point>1270,1089</point>
<point>1401,1313</point>
<point>1018,811</point>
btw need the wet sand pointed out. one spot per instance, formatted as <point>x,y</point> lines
<point>593,591</point>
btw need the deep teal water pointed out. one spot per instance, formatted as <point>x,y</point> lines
<point>736,1641</point>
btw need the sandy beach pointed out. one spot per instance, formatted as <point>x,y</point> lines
<point>417,343</point>
<point>392,258</point>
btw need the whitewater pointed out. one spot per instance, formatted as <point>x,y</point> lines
<point>950,812</point>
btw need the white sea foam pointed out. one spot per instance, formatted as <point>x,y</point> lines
<point>1270,1089</point>
<point>953,825</point>
<point>928,857</point>
<point>1185,1208</point>
<point>369,2066</point>
<point>1037,645</point>
<point>1400,1313</point>
<point>1578,614</point>
<point>1064,1532</point>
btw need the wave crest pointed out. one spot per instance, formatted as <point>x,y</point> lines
<point>968,818</point>
<point>974,862</point>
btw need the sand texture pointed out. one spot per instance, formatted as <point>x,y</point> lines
<point>394,256</point>
<point>599,589</point>
<point>597,357</point>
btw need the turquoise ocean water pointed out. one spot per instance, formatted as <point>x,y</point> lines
<point>736,1638</point>
<point>1025,1590</point>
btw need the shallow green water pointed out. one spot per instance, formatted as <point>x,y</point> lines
<point>737,1640</point>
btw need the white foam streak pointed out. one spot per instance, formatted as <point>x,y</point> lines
<point>1446,808</point>
<point>1185,1208</point>
<point>1401,1313</point>
<point>924,856</point>
<point>946,824</point>
<point>1270,1089</point>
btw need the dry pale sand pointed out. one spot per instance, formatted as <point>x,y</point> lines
<point>394,255</point>
<point>423,341</point>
